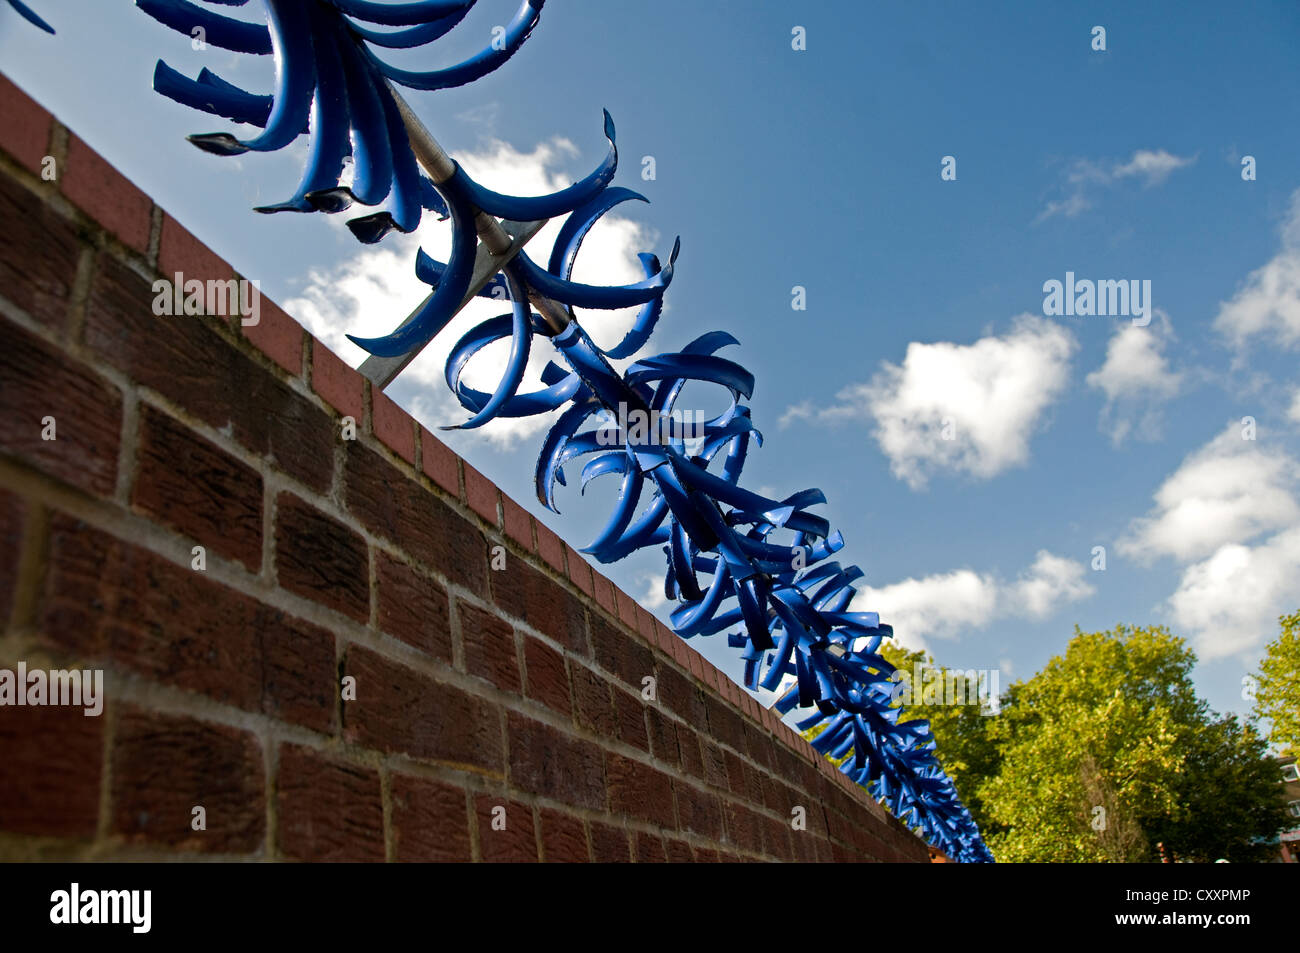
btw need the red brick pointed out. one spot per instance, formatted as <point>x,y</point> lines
<point>665,638</point>
<point>639,790</point>
<point>36,381</point>
<point>547,677</point>
<point>489,647</point>
<point>166,765</point>
<point>592,702</point>
<point>550,547</point>
<point>564,838</point>
<point>339,385</point>
<point>609,845</point>
<point>663,735</point>
<point>524,593</point>
<point>690,752</point>
<point>412,606</point>
<point>481,495</point>
<point>724,724</point>
<point>680,696</point>
<point>393,426</point>
<point>107,599</point>
<point>617,651</point>
<point>276,335</point>
<point>197,488</point>
<point>327,810</point>
<point>743,827</point>
<point>179,251</point>
<point>518,523</point>
<point>430,822</point>
<point>52,761</point>
<point>13,515</point>
<point>319,558</point>
<point>700,811</point>
<point>645,625</point>
<point>626,608</point>
<point>706,855</point>
<point>38,254</point>
<point>400,709</point>
<point>715,764</point>
<point>679,852</point>
<point>630,712</point>
<point>649,848</point>
<point>603,590</point>
<point>24,126</point>
<point>188,362</point>
<point>579,569</point>
<point>396,507</point>
<point>439,463</point>
<point>550,763</point>
<point>514,843</point>
<point>103,193</point>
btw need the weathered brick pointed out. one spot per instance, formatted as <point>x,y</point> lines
<point>320,559</point>
<point>592,701</point>
<point>700,811</point>
<point>24,126</point>
<point>400,709</point>
<point>692,757</point>
<point>516,842</point>
<point>276,335</point>
<point>339,385</point>
<point>187,361</point>
<point>743,827</point>
<point>166,765</point>
<point>579,569</point>
<point>396,507</point>
<point>715,764</point>
<point>549,763</point>
<point>412,606</point>
<point>180,252</point>
<point>663,736</point>
<point>481,495</point>
<point>629,710</point>
<point>439,463</point>
<point>640,790</point>
<point>191,484</point>
<point>107,599</point>
<point>38,254</point>
<point>679,852</point>
<point>564,838</point>
<point>524,593</point>
<point>724,724</point>
<point>603,590</point>
<point>430,822</point>
<point>609,845</point>
<point>547,677</point>
<point>37,382</point>
<point>489,647</point>
<point>518,523</point>
<point>619,652</point>
<point>649,848</point>
<point>13,515</point>
<point>53,758</point>
<point>680,696</point>
<point>327,810</point>
<point>393,426</point>
<point>549,547</point>
<point>103,193</point>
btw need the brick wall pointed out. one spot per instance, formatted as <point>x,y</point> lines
<point>476,689</point>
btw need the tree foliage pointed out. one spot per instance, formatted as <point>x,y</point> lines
<point>1278,695</point>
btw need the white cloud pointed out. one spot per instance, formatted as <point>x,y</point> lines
<point>1268,303</point>
<point>375,288</point>
<point>1151,166</point>
<point>1294,411</point>
<point>946,605</point>
<point>1136,380</point>
<point>1229,603</point>
<point>965,407</point>
<point>1227,492</point>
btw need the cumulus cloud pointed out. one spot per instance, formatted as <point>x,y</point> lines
<point>1229,491</point>
<point>1151,167</point>
<point>1294,411</point>
<point>1268,303</point>
<point>946,605</point>
<point>1137,380</point>
<point>1229,603</point>
<point>970,408</point>
<point>374,289</point>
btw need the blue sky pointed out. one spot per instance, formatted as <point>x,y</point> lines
<point>820,168</point>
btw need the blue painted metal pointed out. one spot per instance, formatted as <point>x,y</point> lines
<point>28,14</point>
<point>757,568</point>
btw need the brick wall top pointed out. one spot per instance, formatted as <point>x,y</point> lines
<point>324,558</point>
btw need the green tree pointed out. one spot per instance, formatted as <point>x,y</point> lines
<point>1278,695</point>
